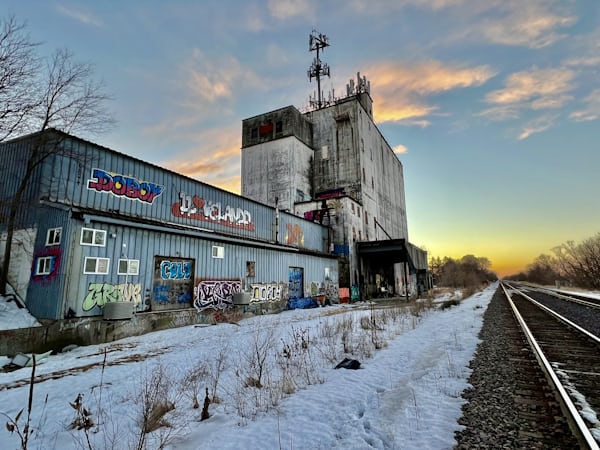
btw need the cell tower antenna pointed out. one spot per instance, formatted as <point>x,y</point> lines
<point>317,42</point>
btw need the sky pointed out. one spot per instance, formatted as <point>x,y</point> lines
<point>405,395</point>
<point>492,106</point>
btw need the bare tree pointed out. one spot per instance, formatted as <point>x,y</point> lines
<point>19,66</point>
<point>60,94</point>
<point>580,263</point>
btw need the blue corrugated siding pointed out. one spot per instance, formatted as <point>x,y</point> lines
<point>87,176</point>
<point>44,295</point>
<point>92,181</point>
<point>148,246</point>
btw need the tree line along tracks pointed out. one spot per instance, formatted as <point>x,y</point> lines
<point>563,334</point>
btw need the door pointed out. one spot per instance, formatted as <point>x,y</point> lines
<point>296,280</point>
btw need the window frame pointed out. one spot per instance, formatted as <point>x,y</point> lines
<point>96,272</point>
<point>45,259</point>
<point>56,232</point>
<point>95,233</point>
<point>133,266</point>
<point>220,252</point>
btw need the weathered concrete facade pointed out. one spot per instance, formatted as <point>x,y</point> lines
<point>277,162</point>
<point>354,179</point>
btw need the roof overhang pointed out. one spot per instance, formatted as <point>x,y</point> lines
<point>393,251</point>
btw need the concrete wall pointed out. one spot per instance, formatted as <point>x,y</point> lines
<point>93,330</point>
<point>277,169</point>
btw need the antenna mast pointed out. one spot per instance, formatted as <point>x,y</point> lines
<point>316,42</point>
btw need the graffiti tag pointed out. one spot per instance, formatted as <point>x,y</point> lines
<point>294,235</point>
<point>267,292</point>
<point>197,208</point>
<point>123,186</point>
<point>166,294</point>
<point>175,270</point>
<point>101,293</point>
<point>216,294</point>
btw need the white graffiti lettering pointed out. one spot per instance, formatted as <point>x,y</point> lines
<point>215,294</point>
<point>267,292</point>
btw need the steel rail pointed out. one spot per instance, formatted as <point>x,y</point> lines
<point>567,297</point>
<point>576,422</point>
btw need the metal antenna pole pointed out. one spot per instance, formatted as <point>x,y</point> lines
<point>316,42</point>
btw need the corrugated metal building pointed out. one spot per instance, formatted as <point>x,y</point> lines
<point>104,227</point>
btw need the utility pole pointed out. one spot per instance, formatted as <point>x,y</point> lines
<point>317,42</point>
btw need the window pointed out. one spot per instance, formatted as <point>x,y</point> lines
<point>96,266</point>
<point>364,177</point>
<point>324,152</point>
<point>53,236</point>
<point>358,211</point>
<point>278,126</point>
<point>254,133</point>
<point>366,218</point>
<point>218,252</point>
<point>128,267</point>
<point>372,182</point>
<point>250,269</point>
<point>44,265</point>
<point>89,236</point>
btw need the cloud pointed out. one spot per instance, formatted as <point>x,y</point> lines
<point>212,80</point>
<point>211,156</point>
<point>535,88</point>
<point>401,91</point>
<point>591,111</point>
<point>528,24</point>
<point>80,16</point>
<point>286,9</point>
<point>400,149</point>
<point>385,6</point>
<point>537,126</point>
<point>584,61</point>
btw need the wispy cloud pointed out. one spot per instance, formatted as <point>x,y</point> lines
<point>286,9</point>
<point>211,156</point>
<point>402,91</point>
<point>532,90</point>
<point>535,88</point>
<point>210,81</point>
<point>591,110</point>
<point>537,126</point>
<point>530,24</point>
<point>80,16</point>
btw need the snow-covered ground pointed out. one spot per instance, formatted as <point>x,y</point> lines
<point>406,395</point>
<point>11,316</point>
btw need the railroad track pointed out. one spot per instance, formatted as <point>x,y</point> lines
<point>568,353</point>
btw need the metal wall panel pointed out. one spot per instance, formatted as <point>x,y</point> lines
<point>93,179</point>
<point>45,291</point>
<point>89,292</point>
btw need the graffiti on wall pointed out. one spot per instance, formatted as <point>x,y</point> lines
<point>268,292</point>
<point>168,294</point>
<point>194,207</point>
<point>101,293</point>
<point>175,270</point>
<point>173,282</point>
<point>124,186</point>
<point>294,235</point>
<point>216,294</point>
